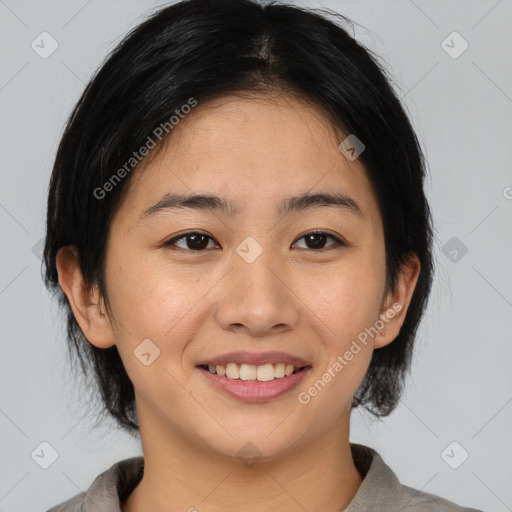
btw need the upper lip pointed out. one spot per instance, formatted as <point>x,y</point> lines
<point>257,359</point>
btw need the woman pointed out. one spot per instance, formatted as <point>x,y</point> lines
<point>238,232</point>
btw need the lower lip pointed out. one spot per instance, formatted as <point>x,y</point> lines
<point>253,390</point>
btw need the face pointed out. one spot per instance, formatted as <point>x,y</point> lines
<point>198,283</point>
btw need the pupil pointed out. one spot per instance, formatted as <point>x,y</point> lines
<point>318,235</point>
<point>200,245</point>
<point>201,241</point>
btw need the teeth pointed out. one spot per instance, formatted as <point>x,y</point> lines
<point>232,371</point>
<point>263,373</point>
<point>247,372</point>
<point>279,371</point>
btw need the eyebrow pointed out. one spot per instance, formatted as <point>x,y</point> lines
<point>170,201</point>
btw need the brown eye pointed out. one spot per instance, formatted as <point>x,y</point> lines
<point>316,240</point>
<point>194,241</point>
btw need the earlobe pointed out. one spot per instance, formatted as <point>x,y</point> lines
<point>395,307</point>
<point>86,304</point>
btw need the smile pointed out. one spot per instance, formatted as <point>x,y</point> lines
<point>253,383</point>
<point>262,373</point>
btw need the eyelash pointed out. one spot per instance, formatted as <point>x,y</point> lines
<point>338,241</point>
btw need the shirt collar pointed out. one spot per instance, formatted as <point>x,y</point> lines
<point>377,476</point>
<point>112,487</point>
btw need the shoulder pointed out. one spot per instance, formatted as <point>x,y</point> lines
<point>74,504</point>
<point>381,491</point>
<point>108,490</point>
<point>419,501</point>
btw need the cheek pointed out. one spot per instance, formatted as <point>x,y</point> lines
<point>349,304</point>
<point>149,299</point>
<point>151,303</point>
<point>347,300</point>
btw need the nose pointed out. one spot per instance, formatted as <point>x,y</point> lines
<point>257,297</point>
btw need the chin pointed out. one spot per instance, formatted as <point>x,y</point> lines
<point>264,443</point>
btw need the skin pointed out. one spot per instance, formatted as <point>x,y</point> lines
<point>194,305</point>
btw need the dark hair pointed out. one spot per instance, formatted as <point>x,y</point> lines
<point>208,49</point>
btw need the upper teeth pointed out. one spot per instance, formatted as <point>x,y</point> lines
<point>265,372</point>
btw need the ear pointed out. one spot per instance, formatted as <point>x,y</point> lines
<point>88,308</point>
<point>395,305</point>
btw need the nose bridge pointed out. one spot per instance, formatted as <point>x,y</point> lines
<point>256,267</point>
<point>256,295</point>
<point>261,261</point>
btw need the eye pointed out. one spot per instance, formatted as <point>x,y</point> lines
<point>316,240</point>
<point>197,241</point>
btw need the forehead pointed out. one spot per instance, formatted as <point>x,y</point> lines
<point>254,127</point>
<point>257,149</point>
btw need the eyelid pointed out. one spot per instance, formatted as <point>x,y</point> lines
<point>339,241</point>
<point>171,241</point>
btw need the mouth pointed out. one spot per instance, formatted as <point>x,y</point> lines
<point>250,372</point>
<point>251,383</point>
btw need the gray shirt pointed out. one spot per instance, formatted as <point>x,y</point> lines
<point>380,490</point>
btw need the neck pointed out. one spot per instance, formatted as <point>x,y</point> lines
<point>318,476</point>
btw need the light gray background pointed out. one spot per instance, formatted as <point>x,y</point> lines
<point>461,384</point>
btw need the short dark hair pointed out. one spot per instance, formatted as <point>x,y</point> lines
<point>207,49</point>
